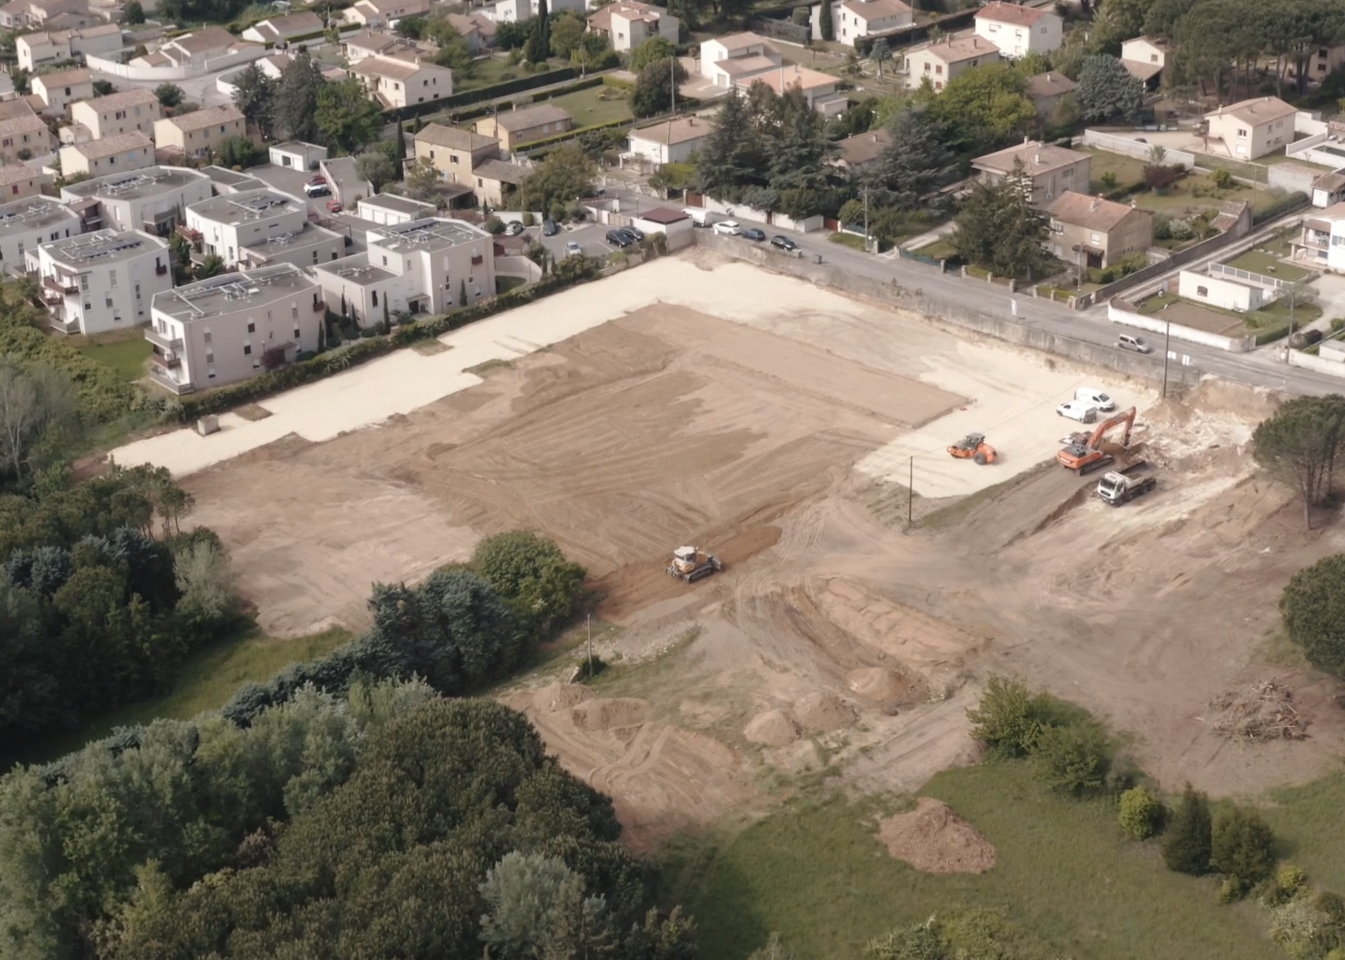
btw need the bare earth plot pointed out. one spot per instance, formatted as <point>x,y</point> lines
<point>755,415</point>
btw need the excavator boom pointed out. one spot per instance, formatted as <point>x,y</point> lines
<point>1126,416</point>
<point>1087,456</point>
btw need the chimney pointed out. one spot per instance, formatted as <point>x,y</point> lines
<point>1096,201</point>
<point>1048,78</point>
<point>1036,158</point>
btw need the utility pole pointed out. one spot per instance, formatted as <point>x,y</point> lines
<point>910,479</point>
<point>1289,341</point>
<point>1167,341</point>
<point>866,213</point>
<point>588,619</point>
<point>672,80</point>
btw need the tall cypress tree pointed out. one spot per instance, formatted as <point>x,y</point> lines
<point>1187,843</point>
<point>824,23</point>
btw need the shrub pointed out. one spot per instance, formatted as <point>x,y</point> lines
<point>1186,847</point>
<point>1242,847</point>
<point>1221,178</point>
<point>1109,180</point>
<point>495,226</point>
<point>1159,177</point>
<point>1313,608</point>
<point>532,576</point>
<point>1180,230</point>
<point>1162,228</point>
<point>1008,718</point>
<point>528,220</point>
<point>1141,813</point>
<point>1071,758</point>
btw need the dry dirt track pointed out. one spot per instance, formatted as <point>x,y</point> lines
<point>747,436</point>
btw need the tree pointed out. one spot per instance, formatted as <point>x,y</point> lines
<point>1107,89</point>
<point>254,96</point>
<point>1313,608</point>
<point>880,53</point>
<point>1242,847</point>
<point>399,147</point>
<point>650,51</point>
<point>999,230</point>
<point>236,151</point>
<point>913,164</point>
<point>203,577</point>
<point>133,13</point>
<point>1118,20</point>
<point>346,116</point>
<point>422,178</point>
<point>655,87</point>
<point>568,33</point>
<point>462,293</point>
<point>1072,758</point>
<point>532,576</point>
<point>985,107</point>
<point>22,78</point>
<point>1141,813</point>
<point>212,265</point>
<point>1163,16</point>
<point>169,94</point>
<point>538,47</point>
<point>35,403</point>
<point>1008,719</point>
<point>296,97</point>
<point>522,894</point>
<point>1299,444</point>
<point>1186,845</point>
<point>566,174</point>
<point>824,21</point>
<point>375,167</point>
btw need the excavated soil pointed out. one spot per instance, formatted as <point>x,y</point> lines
<point>934,839</point>
<point>745,434</point>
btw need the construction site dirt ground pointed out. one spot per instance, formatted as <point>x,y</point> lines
<point>779,435</point>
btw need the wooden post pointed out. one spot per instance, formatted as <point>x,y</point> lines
<point>910,491</point>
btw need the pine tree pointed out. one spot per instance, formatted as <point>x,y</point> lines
<point>998,228</point>
<point>912,165</point>
<point>718,166</point>
<point>800,146</point>
<point>1186,845</point>
<point>296,99</point>
<point>824,23</point>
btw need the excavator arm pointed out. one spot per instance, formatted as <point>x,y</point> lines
<point>1127,417</point>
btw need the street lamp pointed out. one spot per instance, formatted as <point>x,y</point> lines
<point>1167,342</point>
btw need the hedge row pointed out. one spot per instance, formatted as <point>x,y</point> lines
<point>361,351</point>
<point>492,92</point>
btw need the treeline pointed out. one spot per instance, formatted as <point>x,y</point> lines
<point>387,823</point>
<point>94,610</point>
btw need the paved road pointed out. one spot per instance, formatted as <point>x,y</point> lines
<point>1260,368</point>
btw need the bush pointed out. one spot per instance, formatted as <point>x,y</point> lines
<point>1242,847</point>
<point>532,576</point>
<point>1109,180</point>
<point>1162,228</point>
<point>495,226</point>
<point>1141,813</point>
<point>1186,846</point>
<point>1008,718</point>
<point>1071,758</point>
<point>1159,177</point>
<point>1221,178</point>
<point>1313,608</point>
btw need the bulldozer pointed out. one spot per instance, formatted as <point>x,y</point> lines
<point>973,447</point>
<point>693,563</point>
<point>1085,454</point>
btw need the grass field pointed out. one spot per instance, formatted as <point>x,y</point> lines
<point>1306,819</point>
<point>208,679</point>
<point>817,875</point>
<point>587,109</point>
<point>1264,263</point>
<point>127,355</point>
<point>1128,170</point>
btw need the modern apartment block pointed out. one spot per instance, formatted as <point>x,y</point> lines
<point>154,199</point>
<point>420,266</point>
<point>27,224</point>
<point>233,327</point>
<point>101,281</point>
<point>256,227</point>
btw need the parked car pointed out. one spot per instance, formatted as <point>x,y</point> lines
<point>728,228</point>
<point>317,178</point>
<point>753,234</point>
<point>783,243</point>
<point>514,229</point>
<point>317,189</point>
<point>334,206</point>
<point>618,238</point>
<point>1080,410</point>
<point>573,249</point>
<point>1127,341</point>
<point>629,234</point>
<point>635,232</point>
<point>1096,397</point>
<point>549,228</point>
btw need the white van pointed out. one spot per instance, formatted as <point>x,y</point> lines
<point>1128,342</point>
<point>699,216</point>
<point>1096,398</point>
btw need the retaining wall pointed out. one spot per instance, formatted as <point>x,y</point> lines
<point>1131,318</point>
<point>1178,259</point>
<point>890,294</point>
<point>1334,368</point>
<point>1291,177</point>
<point>1130,148</point>
<point>164,74</point>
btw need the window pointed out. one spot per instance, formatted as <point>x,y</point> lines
<point>939,69</point>
<point>84,282</point>
<point>452,159</point>
<point>1057,226</point>
<point>252,327</point>
<point>112,279</point>
<point>1202,291</point>
<point>296,332</point>
<point>385,260</point>
<point>137,291</point>
<point>375,293</point>
<point>108,299</point>
<point>207,335</point>
<point>1094,238</point>
<point>1242,133</point>
<point>1153,58</point>
<point>56,235</point>
<point>247,349</point>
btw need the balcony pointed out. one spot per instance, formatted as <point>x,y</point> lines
<point>156,375</point>
<point>167,363</point>
<point>319,306</point>
<point>162,342</point>
<point>63,287</point>
<point>160,269</point>
<point>62,325</point>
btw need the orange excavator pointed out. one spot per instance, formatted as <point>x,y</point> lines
<point>1085,454</point>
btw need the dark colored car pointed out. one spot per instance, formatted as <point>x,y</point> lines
<point>619,238</point>
<point>549,228</point>
<point>783,243</point>
<point>635,232</point>
<point>753,234</point>
<point>514,229</point>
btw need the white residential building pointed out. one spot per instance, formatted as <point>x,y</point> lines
<point>122,151</point>
<point>940,61</point>
<point>281,30</point>
<point>22,130</point>
<point>60,89</point>
<point>18,180</point>
<point>101,281</point>
<point>154,199</point>
<point>35,49</point>
<point>853,19</point>
<point>386,209</point>
<point>1019,30</point>
<point>671,141</point>
<point>820,89</point>
<point>255,227</point>
<point>725,60</point>
<point>131,110</point>
<point>233,327</point>
<point>420,266</point>
<point>26,224</point>
<point>382,13</point>
<point>400,81</point>
<point>1145,58</point>
<point>1322,240</point>
<point>629,23</point>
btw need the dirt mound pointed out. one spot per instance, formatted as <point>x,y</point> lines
<point>817,711</point>
<point>877,683</point>
<point>608,714</point>
<point>560,696</point>
<point>774,728</point>
<point>1260,712</point>
<point>934,839</point>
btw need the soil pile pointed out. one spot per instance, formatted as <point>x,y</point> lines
<point>934,839</point>
<point>876,683</point>
<point>610,714</point>
<point>1260,712</point>
<point>821,713</point>
<point>560,696</point>
<point>774,728</point>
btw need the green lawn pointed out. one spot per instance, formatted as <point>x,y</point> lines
<point>1127,169</point>
<point>941,249</point>
<point>1268,265</point>
<point>487,72</point>
<point>1306,819</point>
<point>818,876</point>
<point>851,240</point>
<point>588,107</point>
<point>126,355</point>
<point>209,678</point>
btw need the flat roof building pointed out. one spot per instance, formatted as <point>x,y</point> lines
<point>154,199</point>
<point>224,226</point>
<point>101,281</point>
<point>27,224</point>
